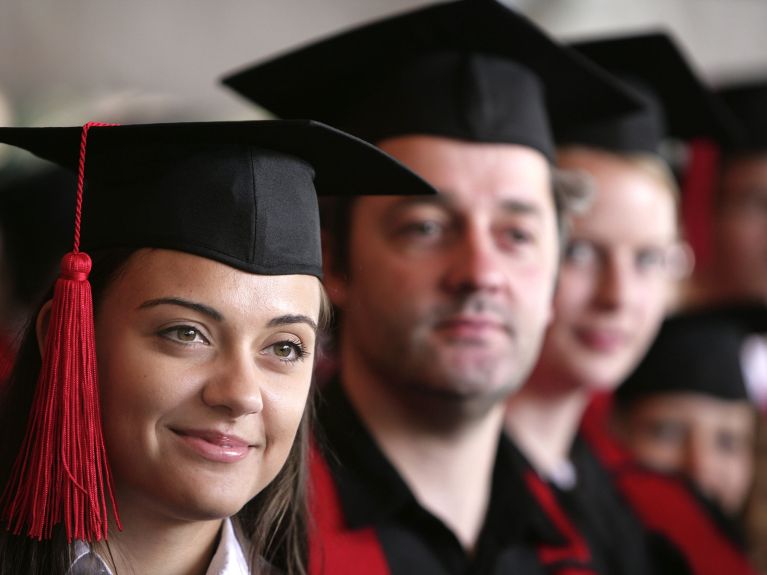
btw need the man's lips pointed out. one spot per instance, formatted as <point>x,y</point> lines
<point>471,326</point>
<point>215,445</point>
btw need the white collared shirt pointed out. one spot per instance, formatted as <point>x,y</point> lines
<point>230,558</point>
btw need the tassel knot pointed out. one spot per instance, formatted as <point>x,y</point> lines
<point>75,266</point>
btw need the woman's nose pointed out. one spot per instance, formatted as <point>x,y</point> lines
<point>235,386</point>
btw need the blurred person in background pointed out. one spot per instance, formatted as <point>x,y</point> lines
<point>623,257</point>
<point>443,303</point>
<point>739,266</point>
<point>687,408</point>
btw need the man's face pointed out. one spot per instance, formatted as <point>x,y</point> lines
<point>449,295</point>
<point>742,229</point>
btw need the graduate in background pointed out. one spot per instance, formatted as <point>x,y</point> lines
<point>739,236</point>
<point>623,255</point>
<point>687,409</point>
<point>442,302</point>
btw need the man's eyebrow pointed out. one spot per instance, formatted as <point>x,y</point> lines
<point>177,301</point>
<point>444,200</point>
<point>440,199</point>
<point>520,207</point>
<point>292,319</point>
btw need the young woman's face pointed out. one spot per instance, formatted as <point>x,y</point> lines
<point>204,372</point>
<point>613,283</point>
<point>708,439</point>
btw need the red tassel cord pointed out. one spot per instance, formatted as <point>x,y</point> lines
<point>61,474</point>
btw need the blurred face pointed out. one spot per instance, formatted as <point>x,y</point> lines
<point>613,283</point>
<point>450,294</point>
<point>708,439</point>
<point>742,229</point>
<point>204,377</point>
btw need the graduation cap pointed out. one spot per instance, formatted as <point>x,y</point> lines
<point>240,193</point>
<point>748,102</point>
<point>698,351</point>
<point>676,103</point>
<point>243,193</point>
<point>471,70</point>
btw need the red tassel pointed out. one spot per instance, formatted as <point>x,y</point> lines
<point>61,474</point>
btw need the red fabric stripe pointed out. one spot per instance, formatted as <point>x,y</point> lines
<point>698,190</point>
<point>576,549</point>
<point>334,549</point>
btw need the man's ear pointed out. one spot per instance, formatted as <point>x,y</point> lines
<point>334,272</point>
<point>42,323</point>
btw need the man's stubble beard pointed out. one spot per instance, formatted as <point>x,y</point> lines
<point>421,377</point>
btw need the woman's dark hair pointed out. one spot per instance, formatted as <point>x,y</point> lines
<point>275,520</point>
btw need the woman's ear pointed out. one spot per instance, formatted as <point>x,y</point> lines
<point>42,323</point>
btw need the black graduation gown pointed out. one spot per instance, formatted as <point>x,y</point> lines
<point>367,520</point>
<point>619,543</point>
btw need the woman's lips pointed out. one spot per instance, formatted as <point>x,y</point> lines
<point>215,446</point>
<point>602,340</point>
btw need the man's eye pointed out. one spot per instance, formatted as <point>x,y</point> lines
<point>426,228</point>
<point>580,252</point>
<point>184,334</point>
<point>518,235</point>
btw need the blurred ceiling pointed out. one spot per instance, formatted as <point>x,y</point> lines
<point>68,62</point>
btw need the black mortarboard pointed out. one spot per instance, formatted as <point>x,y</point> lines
<point>472,70</point>
<point>242,193</point>
<point>748,102</point>
<point>698,351</point>
<point>677,104</point>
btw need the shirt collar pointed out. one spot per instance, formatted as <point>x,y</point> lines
<point>371,490</point>
<point>230,558</point>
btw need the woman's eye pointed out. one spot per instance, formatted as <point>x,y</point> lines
<point>184,334</point>
<point>288,351</point>
<point>650,259</point>
<point>580,252</point>
<point>668,432</point>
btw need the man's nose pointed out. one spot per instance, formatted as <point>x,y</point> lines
<point>476,264</point>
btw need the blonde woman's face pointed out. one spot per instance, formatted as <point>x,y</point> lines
<point>613,283</point>
<point>204,377</point>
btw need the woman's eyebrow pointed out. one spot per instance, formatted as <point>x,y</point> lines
<point>198,307</point>
<point>291,319</point>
